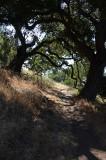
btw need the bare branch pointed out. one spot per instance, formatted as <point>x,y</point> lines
<point>50,60</point>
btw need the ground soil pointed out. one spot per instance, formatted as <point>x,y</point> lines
<point>81,125</point>
<point>62,127</point>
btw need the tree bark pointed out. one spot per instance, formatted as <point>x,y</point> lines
<point>16,64</point>
<point>94,81</point>
<point>18,61</point>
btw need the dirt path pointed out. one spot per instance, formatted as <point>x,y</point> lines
<point>78,124</point>
<point>64,128</point>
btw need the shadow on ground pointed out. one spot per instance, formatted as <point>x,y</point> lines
<point>49,136</point>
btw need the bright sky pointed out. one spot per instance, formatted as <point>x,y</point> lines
<point>105,72</point>
<point>29,34</point>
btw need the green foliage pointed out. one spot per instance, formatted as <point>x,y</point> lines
<point>57,75</point>
<point>41,81</point>
<point>39,64</point>
<point>65,75</point>
<point>7,50</point>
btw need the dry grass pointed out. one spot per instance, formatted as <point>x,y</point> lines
<point>49,135</point>
<point>41,81</point>
<point>15,89</point>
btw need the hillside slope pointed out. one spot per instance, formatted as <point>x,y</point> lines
<point>48,124</point>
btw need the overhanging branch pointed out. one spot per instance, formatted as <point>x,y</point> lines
<point>43,20</point>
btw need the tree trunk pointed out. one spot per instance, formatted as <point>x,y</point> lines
<point>16,64</point>
<point>97,64</point>
<point>18,61</point>
<point>94,82</point>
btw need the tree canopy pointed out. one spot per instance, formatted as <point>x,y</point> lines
<point>73,28</point>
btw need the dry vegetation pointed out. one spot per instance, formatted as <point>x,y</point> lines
<point>15,89</point>
<point>47,123</point>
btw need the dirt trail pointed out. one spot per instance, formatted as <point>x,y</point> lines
<point>78,123</point>
<point>63,128</point>
<point>67,127</point>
